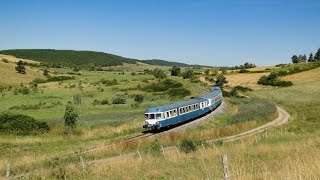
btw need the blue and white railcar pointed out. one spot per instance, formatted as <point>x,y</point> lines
<point>176,113</point>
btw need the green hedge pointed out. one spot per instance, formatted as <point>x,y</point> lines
<point>21,125</point>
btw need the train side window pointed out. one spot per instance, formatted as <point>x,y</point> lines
<point>175,112</point>
<point>167,114</point>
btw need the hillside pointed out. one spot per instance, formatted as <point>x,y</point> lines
<point>83,57</point>
<point>69,56</point>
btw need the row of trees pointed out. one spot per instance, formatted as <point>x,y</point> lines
<point>303,58</point>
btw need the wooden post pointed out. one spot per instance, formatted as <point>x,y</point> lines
<point>163,152</point>
<point>177,150</point>
<point>83,165</point>
<point>8,170</point>
<point>225,167</point>
<point>139,155</point>
<point>203,148</point>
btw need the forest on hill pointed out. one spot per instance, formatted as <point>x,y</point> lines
<point>69,56</point>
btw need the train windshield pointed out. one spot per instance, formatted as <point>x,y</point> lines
<point>153,116</point>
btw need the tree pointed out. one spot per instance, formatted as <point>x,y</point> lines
<point>175,71</point>
<point>70,118</point>
<point>20,68</point>
<point>159,73</point>
<point>187,74</point>
<point>311,58</point>
<point>45,72</point>
<point>317,56</point>
<point>303,58</point>
<point>221,80</point>
<point>295,59</point>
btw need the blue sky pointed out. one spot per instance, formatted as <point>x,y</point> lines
<point>209,32</point>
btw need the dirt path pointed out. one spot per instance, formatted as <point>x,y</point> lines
<point>283,117</point>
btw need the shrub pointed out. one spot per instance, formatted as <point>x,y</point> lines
<point>105,102</point>
<point>59,78</point>
<point>5,60</point>
<point>187,74</point>
<point>24,91</point>
<point>119,99</point>
<point>109,82</point>
<point>187,146</point>
<point>242,89</point>
<point>139,98</point>
<point>96,102</point>
<point>179,92</point>
<point>244,71</point>
<point>77,99</point>
<point>159,73</point>
<point>70,117</point>
<point>21,125</point>
<point>39,81</point>
<point>272,80</point>
<point>163,85</point>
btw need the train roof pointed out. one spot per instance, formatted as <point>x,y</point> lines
<point>215,92</point>
<point>175,105</point>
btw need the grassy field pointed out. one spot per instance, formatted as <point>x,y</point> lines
<point>263,156</point>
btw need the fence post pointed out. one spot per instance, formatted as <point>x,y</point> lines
<point>8,170</point>
<point>177,150</point>
<point>83,165</point>
<point>203,148</point>
<point>225,167</point>
<point>139,155</point>
<point>163,152</point>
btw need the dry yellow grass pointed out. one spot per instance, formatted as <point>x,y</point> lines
<point>9,76</point>
<point>262,68</point>
<point>247,80</point>
<point>15,59</point>
<point>307,76</point>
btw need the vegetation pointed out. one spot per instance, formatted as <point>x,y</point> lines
<point>273,80</point>
<point>187,74</point>
<point>221,81</point>
<point>20,68</point>
<point>119,99</point>
<point>187,146</point>
<point>70,117</point>
<point>159,73</point>
<point>69,56</point>
<point>175,71</point>
<point>178,92</point>
<point>21,125</point>
<point>45,72</point>
<point>251,109</point>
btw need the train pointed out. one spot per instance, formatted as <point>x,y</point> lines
<point>164,116</point>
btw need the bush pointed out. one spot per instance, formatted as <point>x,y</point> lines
<point>179,92</point>
<point>105,102</point>
<point>187,146</point>
<point>138,98</point>
<point>187,74</point>
<point>24,91</point>
<point>59,78</point>
<point>242,89</point>
<point>77,99</point>
<point>119,99</point>
<point>244,71</point>
<point>21,125</point>
<point>159,73</point>
<point>5,60</point>
<point>109,82</point>
<point>272,80</point>
<point>163,85</point>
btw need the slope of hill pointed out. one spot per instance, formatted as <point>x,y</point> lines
<point>69,56</point>
<point>159,62</point>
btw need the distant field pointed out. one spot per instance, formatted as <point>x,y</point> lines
<point>9,76</point>
<point>244,79</point>
<point>308,76</point>
<point>15,59</point>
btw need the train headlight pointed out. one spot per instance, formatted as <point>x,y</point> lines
<point>146,123</point>
<point>157,123</point>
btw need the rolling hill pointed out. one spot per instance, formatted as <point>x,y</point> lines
<point>83,57</point>
<point>69,56</point>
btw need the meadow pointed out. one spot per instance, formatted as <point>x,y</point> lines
<point>273,155</point>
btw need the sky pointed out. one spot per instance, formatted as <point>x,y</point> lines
<point>207,32</point>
